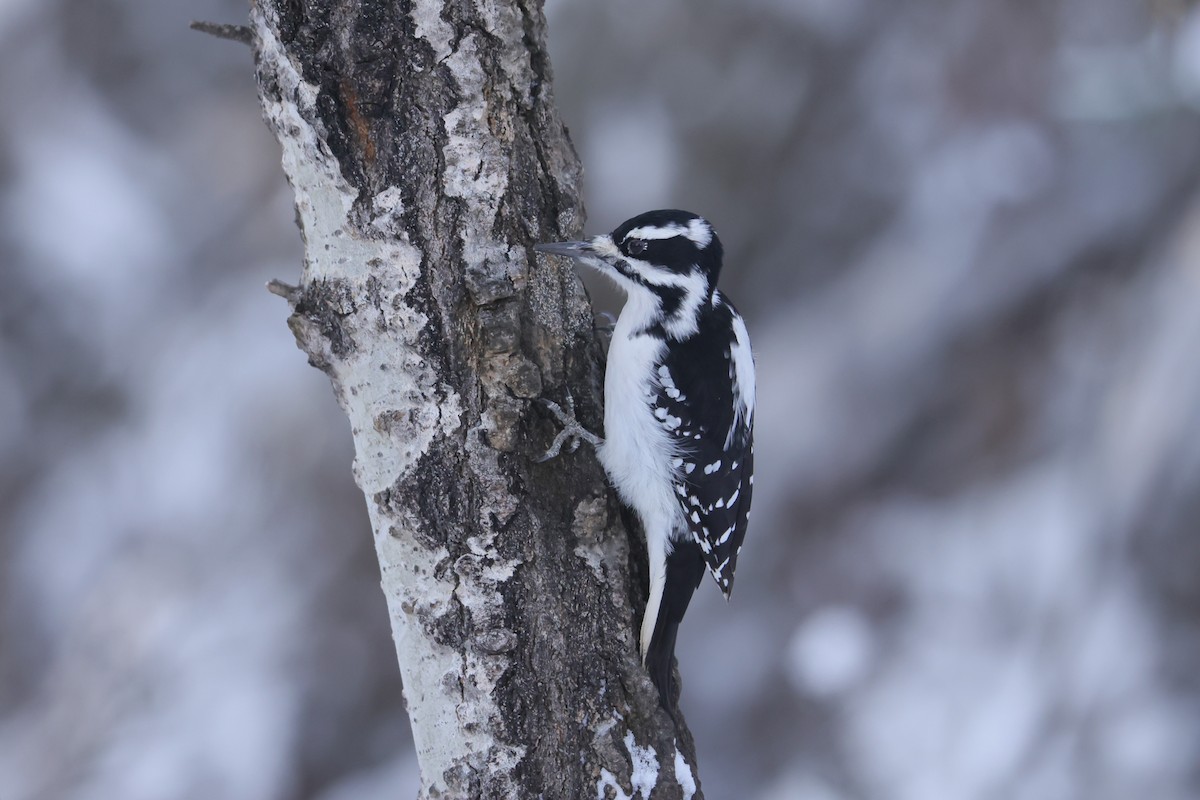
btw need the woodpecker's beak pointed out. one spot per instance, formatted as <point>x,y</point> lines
<point>569,249</point>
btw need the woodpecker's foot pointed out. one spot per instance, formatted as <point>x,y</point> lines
<point>572,433</point>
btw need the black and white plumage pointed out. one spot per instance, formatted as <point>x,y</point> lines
<point>679,412</point>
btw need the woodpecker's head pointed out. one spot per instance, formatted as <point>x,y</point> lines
<point>669,260</point>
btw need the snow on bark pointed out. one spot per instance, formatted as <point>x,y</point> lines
<point>645,766</point>
<point>683,775</point>
<point>643,777</point>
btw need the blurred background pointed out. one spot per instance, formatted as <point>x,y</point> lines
<point>966,238</point>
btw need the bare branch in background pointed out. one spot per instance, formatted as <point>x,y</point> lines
<point>234,33</point>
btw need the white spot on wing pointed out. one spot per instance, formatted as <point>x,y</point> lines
<point>742,372</point>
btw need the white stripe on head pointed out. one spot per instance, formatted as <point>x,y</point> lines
<point>655,232</point>
<point>700,232</point>
<point>697,231</point>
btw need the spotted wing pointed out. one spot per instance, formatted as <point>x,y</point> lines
<point>700,403</point>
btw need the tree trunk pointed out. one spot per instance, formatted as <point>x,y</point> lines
<point>427,157</point>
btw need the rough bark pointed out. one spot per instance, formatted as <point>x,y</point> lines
<point>427,157</point>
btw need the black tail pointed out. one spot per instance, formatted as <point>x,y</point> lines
<point>685,569</point>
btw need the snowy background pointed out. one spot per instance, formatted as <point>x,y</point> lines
<point>966,237</point>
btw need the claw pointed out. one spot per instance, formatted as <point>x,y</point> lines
<point>572,433</point>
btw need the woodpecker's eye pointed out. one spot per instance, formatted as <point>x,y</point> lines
<point>636,247</point>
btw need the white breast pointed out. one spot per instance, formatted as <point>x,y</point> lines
<point>637,451</point>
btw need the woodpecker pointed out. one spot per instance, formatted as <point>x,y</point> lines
<point>678,413</point>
